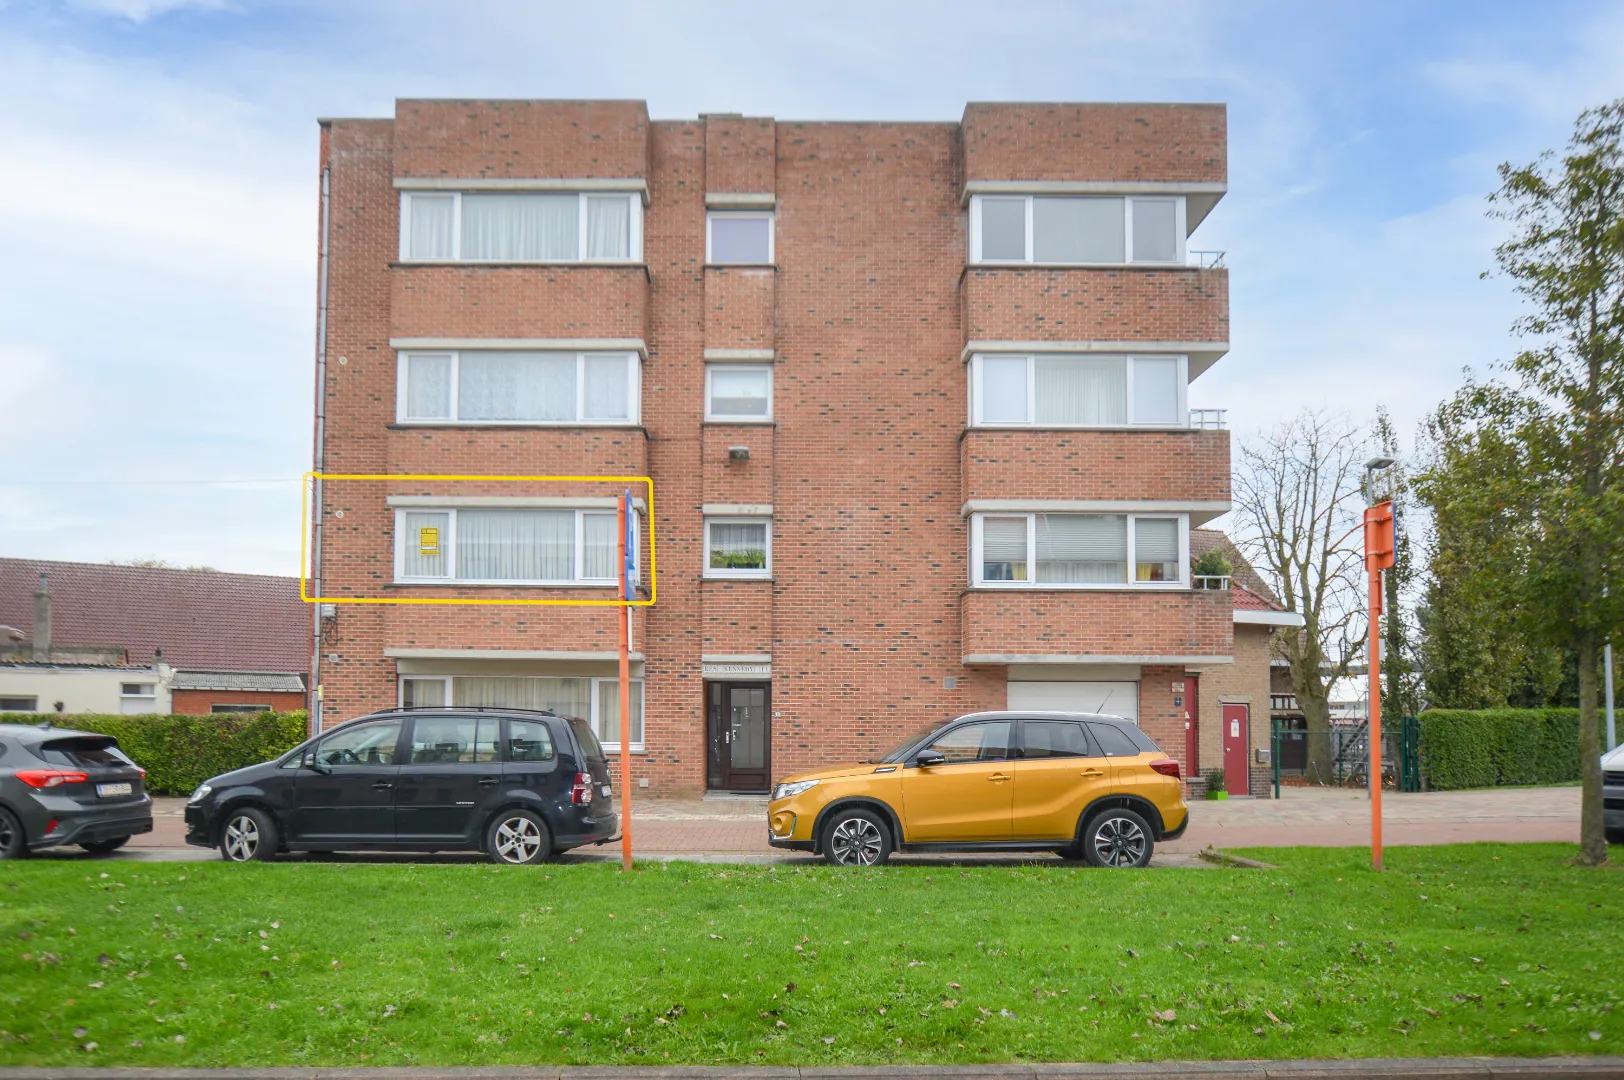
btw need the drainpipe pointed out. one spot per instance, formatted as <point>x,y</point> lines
<point>41,653</point>
<point>320,454</point>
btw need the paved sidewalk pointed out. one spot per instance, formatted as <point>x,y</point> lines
<point>735,829</point>
<point>1554,1068</point>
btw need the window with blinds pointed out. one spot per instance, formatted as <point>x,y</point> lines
<point>1077,550</point>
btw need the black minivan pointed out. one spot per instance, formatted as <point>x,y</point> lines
<point>521,786</point>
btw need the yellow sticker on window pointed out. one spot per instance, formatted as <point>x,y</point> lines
<point>428,541</point>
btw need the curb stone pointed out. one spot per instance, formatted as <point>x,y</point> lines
<point>1479,1068</point>
<point>1224,858</point>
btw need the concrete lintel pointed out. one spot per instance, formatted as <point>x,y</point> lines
<point>737,509</point>
<point>1200,510</point>
<point>740,356</point>
<point>1268,618</point>
<point>1202,354</point>
<point>736,658</point>
<point>636,345</point>
<point>493,183</point>
<point>395,653</point>
<point>564,502</point>
<point>740,200</point>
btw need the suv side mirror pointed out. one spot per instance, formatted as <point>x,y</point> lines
<point>926,759</point>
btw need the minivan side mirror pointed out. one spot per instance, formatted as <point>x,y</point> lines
<point>310,762</point>
<point>926,759</point>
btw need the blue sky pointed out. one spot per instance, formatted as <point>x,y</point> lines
<point>158,197</point>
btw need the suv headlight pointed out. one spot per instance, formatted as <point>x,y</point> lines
<point>200,794</point>
<point>784,791</point>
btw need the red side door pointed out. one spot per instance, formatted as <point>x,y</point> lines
<point>1237,721</point>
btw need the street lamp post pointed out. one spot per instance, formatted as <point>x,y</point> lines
<point>1379,548</point>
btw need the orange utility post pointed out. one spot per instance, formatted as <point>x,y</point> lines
<point>626,557</point>
<point>1378,557</point>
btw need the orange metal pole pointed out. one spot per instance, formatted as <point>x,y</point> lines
<point>1375,720</point>
<point>625,699</point>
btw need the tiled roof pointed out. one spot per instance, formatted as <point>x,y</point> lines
<point>201,619</point>
<point>1244,599</point>
<point>237,680</point>
<point>1205,540</point>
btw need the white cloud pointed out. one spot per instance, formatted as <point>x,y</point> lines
<point>140,11</point>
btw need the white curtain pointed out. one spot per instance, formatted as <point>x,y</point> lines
<point>1003,390</point>
<point>516,386</point>
<point>1082,549</point>
<point>1003,549</point>
<point>609,710</point>
<point>420,693</point>
<point>429,231</point>
<point>736,392</point>
<point>417,563</point>
<point>738,545</point>
<point>1081,390</point>
<point>1073,230</point>
<point>516,545</point>
<point>608,388</point>
<point>567,697</point>
<point>1155,390</point>
<point>600,545</point>
<point>608,227</point>
<point>1156,549</point>
<point>428,386</point>
<point>520,227</point>
<point>1155,230</point>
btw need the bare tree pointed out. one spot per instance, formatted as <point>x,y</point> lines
<point>1298,494</point>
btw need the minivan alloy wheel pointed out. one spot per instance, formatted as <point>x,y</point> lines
<point>518,840</point>
<point>856,842</point>
<point>1118,841</point>
<point>242,838</point>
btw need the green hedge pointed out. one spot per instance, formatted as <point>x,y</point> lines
<point>1476,748</point>
<point>180,752</point>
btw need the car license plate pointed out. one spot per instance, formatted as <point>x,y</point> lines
<point>107,791</point>
<point>605,790</point>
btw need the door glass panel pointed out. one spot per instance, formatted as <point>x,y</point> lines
<point>1114,742</point>
<point>529,740</point>
<point>975,742</point>
<point>747,718</point>
<point>369,744</point>
<point>1053,739</point>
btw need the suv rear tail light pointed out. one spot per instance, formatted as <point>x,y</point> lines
<point>581,790</point>
<point>49,778</point>
<point>1167,767</point>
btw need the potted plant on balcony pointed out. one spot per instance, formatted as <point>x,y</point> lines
<point>1215,785</point>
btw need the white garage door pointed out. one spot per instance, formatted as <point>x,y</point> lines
<point>1111,698</point>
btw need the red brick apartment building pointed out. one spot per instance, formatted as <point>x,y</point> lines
<point>913,396</point>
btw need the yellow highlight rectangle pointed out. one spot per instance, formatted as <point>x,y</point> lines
<point>304,547</point>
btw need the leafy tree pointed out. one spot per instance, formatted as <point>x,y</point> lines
<point>1545,445</point>
<point>1212,564</point>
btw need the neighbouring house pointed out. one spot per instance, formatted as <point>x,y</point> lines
<point>914,398</point>
<point>92,637</point>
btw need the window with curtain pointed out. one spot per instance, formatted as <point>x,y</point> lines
<point>523,226</point>
<point>1077,390</point>
<point>422,693</point>
<point>517,544</point>
<point>1076,229</point>
<point>606,722</point>
<point>1076,549</point>
<point>738,548</point>
<point>738,392</point>
<point>509,386</point>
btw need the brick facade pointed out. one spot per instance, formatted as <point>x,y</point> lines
<point>867,464</point>
<point>197,702</point>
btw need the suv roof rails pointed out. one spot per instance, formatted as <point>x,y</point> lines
<point>462,708</point>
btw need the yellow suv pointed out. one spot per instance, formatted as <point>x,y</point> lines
<point>1081,785</point>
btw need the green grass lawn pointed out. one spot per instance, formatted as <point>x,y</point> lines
<point>1497,949</point>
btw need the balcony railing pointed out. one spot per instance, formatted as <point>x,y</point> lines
<point>1209,419</point>
<point>1210,582</point>
<point>1206,260</point>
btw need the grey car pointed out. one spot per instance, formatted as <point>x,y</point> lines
<point>59,786</point>
<point>1612,794</point>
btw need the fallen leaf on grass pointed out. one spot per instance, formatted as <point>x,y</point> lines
<point>1166,1016</point>
<point>1271,1016</point>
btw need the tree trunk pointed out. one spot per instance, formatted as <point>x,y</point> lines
<point>1320,750</point>
<point>1592,836</point>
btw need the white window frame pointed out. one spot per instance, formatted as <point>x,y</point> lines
<point>1031,582</point>
<point>147,691</point>
<point>634,240</point>
<point>977,389</point>
<point>609,747</point>
<point>1179,228</point>
<point>771,217</point>
<point>634,388</point>
<point>725,574</point>
<point>711,414</point>
<point>448,548</point>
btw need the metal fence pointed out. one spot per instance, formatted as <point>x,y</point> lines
<point>1339,756</point>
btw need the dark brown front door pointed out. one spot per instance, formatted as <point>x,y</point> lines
<point>738,719</point>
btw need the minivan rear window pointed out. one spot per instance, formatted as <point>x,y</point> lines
<point>589,742</point>
<point>82,753</point>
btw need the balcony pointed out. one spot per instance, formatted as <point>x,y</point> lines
<point>1176,465</point>
<point>1010,626</point>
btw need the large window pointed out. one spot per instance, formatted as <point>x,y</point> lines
<point>1078,550</point>
<point>1078,391</point>
<point>517,387</point>
<point>1076,229</point>
<point>595,700</point>
<point>738,238</point>
<point>506,545</point>
<point>738,547</point>
<point>738,392</point>
<point>521,227</point>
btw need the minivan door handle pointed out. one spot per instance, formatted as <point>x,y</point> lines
<point>382,785</point>
<point>488,781</point>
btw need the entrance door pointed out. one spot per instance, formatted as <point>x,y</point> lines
<point>738,719</point>
<point>1237,742</point>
